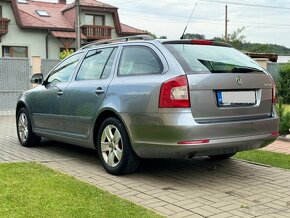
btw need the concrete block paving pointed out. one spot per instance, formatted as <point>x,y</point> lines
<point>173,188</point>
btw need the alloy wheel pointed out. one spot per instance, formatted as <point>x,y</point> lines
<point>111,145</point>
<point>23,127</point>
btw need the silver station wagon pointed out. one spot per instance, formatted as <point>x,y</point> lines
<point>136,97</point>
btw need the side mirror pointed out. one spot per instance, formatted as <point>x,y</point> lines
<point>37,78</point>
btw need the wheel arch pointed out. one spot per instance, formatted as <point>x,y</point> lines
<point>104,114</point>
<point>20,105</point>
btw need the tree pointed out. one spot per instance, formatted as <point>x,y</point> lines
<point>283,85</point>
<point>237,39</point>
<point>193,36</point>
<point>151,34</point>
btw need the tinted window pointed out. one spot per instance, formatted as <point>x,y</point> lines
<point>139,60</point>
<point>63,72</point>
<point>208,58</point>
<point>109,65</point>
<point>94,64</point>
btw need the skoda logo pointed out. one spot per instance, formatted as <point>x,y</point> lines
<point>239,80</point>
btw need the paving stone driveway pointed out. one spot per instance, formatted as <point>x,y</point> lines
<point>198,188</point>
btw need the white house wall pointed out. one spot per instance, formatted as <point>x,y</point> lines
<point>33,39</point>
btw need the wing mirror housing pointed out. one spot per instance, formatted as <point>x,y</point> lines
<point>37,78</point>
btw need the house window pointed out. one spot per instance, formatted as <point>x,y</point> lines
<point>0,11</point>
<point>15,51</point>
<point>96,20</point>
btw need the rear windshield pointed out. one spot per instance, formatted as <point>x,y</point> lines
<point>212,59</point>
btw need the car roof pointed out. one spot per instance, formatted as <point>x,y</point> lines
<point>137,38</point>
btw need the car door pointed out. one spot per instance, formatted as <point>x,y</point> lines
<point>47,100</point>
<point>86,91</point>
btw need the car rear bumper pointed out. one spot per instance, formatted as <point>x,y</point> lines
<point>159,135</point>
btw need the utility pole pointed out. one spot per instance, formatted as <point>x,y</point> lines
<point>77,25</point>
<point>226,24</point>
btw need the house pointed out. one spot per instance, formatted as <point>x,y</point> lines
<point>44,28</point>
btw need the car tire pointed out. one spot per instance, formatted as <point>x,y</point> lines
<point>114,148</point>
<point>25,134</point>
<point>222,156</point>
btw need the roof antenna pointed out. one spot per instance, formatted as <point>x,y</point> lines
<point>188,21</point>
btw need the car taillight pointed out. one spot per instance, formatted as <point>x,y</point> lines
<point>274,97</point>
<point>174,93</point>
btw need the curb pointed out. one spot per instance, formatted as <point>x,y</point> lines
<point>285,138</point>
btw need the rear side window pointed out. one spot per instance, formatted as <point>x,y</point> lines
<point>138,60</point>
<point>212,59</point>
<point>95,64</point>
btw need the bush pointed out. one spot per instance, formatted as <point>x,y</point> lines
<point>284,124</point>
<point>65,53</point>
<point>283,86</point>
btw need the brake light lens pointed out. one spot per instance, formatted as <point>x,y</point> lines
<point>201,42</point>
<point>174,93</point>
<point>274,97</point>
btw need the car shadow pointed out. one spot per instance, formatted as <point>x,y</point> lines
<point>147,166</point>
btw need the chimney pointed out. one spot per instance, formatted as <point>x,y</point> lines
<point>62,2</point>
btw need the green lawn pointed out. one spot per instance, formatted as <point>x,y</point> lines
<point>32,190</point>
<point>265,157</point>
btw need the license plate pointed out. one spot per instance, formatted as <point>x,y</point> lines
<point>236,98</point>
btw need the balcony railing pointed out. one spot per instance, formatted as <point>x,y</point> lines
<point>3,26</point>
<point>97,32</point>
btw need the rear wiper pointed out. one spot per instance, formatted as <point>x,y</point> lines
<point>245,69</point>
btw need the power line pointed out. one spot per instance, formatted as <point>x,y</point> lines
<point>245,4</point>
<point>265,25</point>
<point>212,20</point>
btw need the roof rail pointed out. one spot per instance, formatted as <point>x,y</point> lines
<point>121,39</point>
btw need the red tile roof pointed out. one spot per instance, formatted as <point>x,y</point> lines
<point>27,16</point>
<point>95,3</point>
<point>128,29</point>
<point>30,18</point>
<point>67,35</point>
<point>90,3</point>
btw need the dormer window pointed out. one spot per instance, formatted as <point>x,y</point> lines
<point>42,13</point>
<point>22,1</point>
<point>96,20</point>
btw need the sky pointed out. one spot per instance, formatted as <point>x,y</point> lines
<point>265,21</point>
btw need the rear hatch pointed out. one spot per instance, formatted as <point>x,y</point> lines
<point>224,84</point>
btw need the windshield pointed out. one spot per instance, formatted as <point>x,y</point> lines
<point>214,59</point>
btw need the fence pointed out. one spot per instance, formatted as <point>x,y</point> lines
<point>15,74</point>
<point>47,65</point>
<point>14,79</point>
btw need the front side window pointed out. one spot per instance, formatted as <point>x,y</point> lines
<point>139,60</point>
<point>15,51</point>
<point>63,72</point>
<point>95,63</point>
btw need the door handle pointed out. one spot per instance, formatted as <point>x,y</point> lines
<point>59,92</point>
<point>99,91</point>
